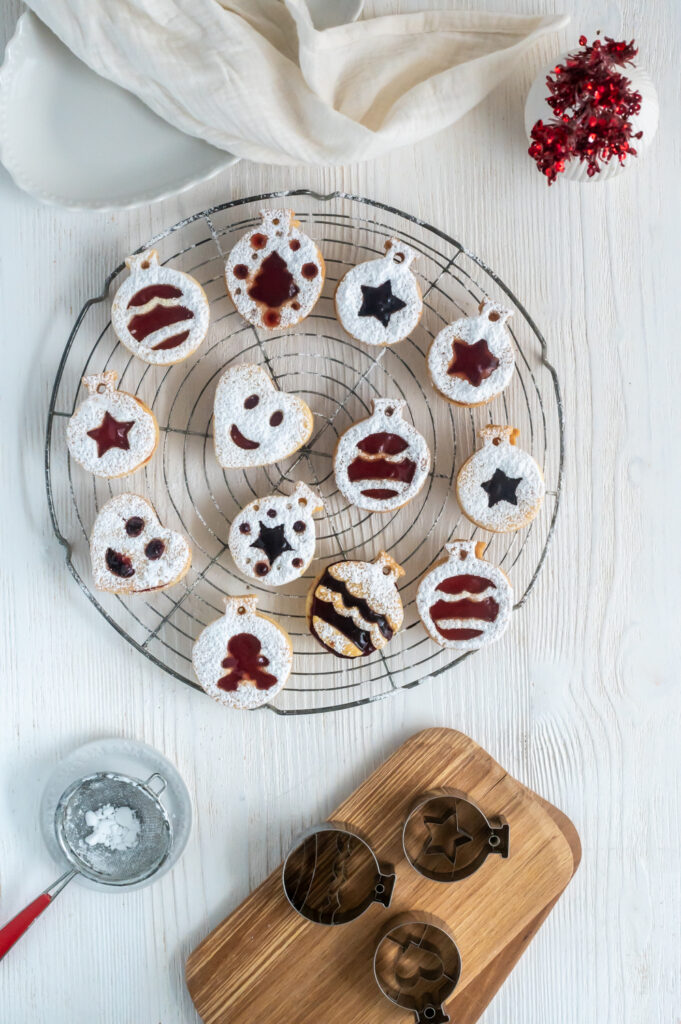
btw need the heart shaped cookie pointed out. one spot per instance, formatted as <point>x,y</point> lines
<point>131,552</point>
<point>255,424</point>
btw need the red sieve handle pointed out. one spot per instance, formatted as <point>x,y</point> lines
<point>15,928</point>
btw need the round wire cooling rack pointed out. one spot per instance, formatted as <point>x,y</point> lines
<point>338,378</point>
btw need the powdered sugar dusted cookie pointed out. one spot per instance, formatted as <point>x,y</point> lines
<point>254,423</point>
<point>243,658</point>
<point>275,273</point>
<point>159,313</point>
<point>112,433</point>
<point>131,552</point>
<point>472,360</point>
<point>381,462</point>
<point>353,608</point>
<point>379,302</point>
<point>465,602</point>
<point>501,487</point>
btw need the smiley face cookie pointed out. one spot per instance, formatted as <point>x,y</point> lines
<point>254,423</point>
<point>131,552</point>
<point>159,313</point>
<point>275,273</point>
<point>273,539</point>
<point>243,659</point>
<point>501,487</point>
<point>112,433</point>
<point>381,462</point>
<point>465,602</point>
<point>472,360</point>
<point>379,302</point>
<point>354,608</point>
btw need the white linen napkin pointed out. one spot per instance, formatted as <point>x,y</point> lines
<point>255,77</point>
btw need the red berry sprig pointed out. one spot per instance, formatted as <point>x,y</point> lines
<point>592,104</point>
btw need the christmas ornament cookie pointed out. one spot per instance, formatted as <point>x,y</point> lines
<point>501,487</point>
<point>353,608</point>
<point>273,539</point>
<point>131,552</point>
<point>471,361</point>
<point>275,273</point>
<point>465,602</point>
<point>244,658</point>
<point>255,424</point>
<point>379,302</point>
<point>112,433</point>
<point>159,313</point>
<point>382,462</point>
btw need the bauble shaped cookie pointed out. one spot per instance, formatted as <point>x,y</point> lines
<point>472,360</point>
<point>379,302</point>
<point>500,487</point>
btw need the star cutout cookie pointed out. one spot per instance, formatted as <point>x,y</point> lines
<point>473,363</point>
<point>111,433</point>
<point>501,488</point>
<point>380,302</point>
<point>272,541</point>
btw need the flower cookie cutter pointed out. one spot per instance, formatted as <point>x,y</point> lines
<point>417,966</point>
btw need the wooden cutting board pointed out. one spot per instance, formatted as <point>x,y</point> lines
<point>267,963</point>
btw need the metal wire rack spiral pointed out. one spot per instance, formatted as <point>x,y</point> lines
<point>338,378</point>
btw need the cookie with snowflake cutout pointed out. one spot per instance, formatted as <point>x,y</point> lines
<point>131,552</point>
<point>243,659</point>
<point>354,608</point>
<point>379,302</point>
<point>381,462</point>
<point>465,602</point>
<point>275,273</point>
<point>112,433</point>
<point>159,313</point>
<point>254,423</point>
<point>273,539</point>
<point>472,360</point>
<point>501,487</point>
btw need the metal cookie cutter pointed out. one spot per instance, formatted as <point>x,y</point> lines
<point>417,967</point>
<point>332,875</point>
<point>447,838</point>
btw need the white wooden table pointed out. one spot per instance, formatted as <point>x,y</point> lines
<point>580,701</point>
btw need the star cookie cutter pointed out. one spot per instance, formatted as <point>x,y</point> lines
<point>332,875</point>
<point>417,966</point>
<point>446,837</point>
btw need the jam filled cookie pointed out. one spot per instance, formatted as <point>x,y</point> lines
<point>160,314</point>
<point>382,462</point>
<point>465,602</point>
<point>353,608</point>
<point>273,539</point>
<point>131,552</point>
<point>275,273</point>
<point>501,487</point>
<point>111,433</point>
<point>255,424</point>
<point>244,658</point>
<point>379,302</point>
<point>472,360</point>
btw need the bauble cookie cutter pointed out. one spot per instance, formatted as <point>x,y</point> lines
<point>417,966</point>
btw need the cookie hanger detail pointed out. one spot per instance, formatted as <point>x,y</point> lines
<point>472,360</point>
<point>381,462</point>
<point>275,273</point>
<point>500,487</point>
<point>417,966</point>
<point>379,302</point>
<point>244,658</point>
<point>160,314</point>
<point>112,433</point>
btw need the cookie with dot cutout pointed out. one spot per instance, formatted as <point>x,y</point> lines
<point>160,314</point>
<point>501,487</point>
<point>112,433</point>
<point>472,360</point>
<point>273,539</point>
<point>131,552</point>
<point>354,608</point>
<point>381,462</point>
<point>379,302</point>
<point>243,659</point>
<point>465,602</point>
<point>275,273</point>
<point>254,423</point>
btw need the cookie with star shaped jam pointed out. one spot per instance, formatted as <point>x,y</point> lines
<point>112,433</point>
<point>500,487</point>
<point>379,302</point>
<point>471,361</point>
